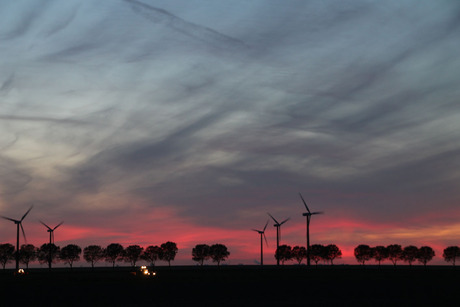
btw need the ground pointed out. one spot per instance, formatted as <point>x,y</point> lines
<point>235,286</point>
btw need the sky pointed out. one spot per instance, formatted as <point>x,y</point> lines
<point>141,122</point>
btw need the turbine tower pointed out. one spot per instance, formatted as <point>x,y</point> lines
<point>262,234</point>
<point>278,233</point>
<point>18,224</point>
<point>51,231</point>
<point>308,215</point>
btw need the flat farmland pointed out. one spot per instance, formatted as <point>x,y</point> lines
<point>235,286</point>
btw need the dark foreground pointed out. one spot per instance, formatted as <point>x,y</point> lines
<point>235,286</point>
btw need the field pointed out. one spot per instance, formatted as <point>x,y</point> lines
<point>236,286</point>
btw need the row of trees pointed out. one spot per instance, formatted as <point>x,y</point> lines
<point>318,252</point>
<point>50,253</point>
<point>409,254</point>
<point>216,252</point>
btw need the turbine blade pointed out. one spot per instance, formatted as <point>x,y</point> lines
<point>46,225</point>
<point>266,242</point>
<point>23,217</point>
<point>266,225</point>
<point>13,220</point>
<point>58,225</point>
<point>304,203</point>
<point>285,221</point>
<point>23,233</point>
<point>256,230</point>
<point>273,218</point>
<point>319,212</point>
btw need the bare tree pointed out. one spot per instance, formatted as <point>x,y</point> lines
<point>93,254</point>
<point>114,253</point>
<point>363,253</point>
<point>151,254</point>
<point>70,253</point>
<point>425,254</point>
<point>451,253</point>
<point>200,253</point>
<point>6,253</point>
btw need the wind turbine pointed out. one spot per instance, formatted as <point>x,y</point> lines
<point>51,231</point>
<point>18,224</point>
<point>278,233</point>
<point>262,234</point>
<point>308,215</point>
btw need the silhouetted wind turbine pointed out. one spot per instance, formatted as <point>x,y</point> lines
<point>262,234</point>
<point>51,231</point>
<point>308,215</point>
<point>278,233</point>
<point>18,224</point>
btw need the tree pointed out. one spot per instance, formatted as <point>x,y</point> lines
<point>379,253</point>
<point>93,253</point>
<point>168,251</point>
<point>317,253</point>
<point>299,253</point>
<point>132,254</point>
<point>394,253</point>
<point>409,254</point>
<point>70,253</point>
<point>151,254</point>
<point>451,253</point>
<point>113,253</point>
<point>425,254</point>
<point>27,253</point>
<point>48,253</point>
<point>283,253</point>
<point>219,253</point>
<point>200,253</point>
<point>332,252</point>
<point>6,253</point>
<point>363,253</point>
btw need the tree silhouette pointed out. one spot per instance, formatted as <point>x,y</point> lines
<point>27,253</point>
<point>114,253</point>
<point>70,253</point>
<point>409,254</point>
<point>299,253</point>
<point>219,253</point>
<point>451,253</point>
<point>317,253</point>
<point>48,253</point>
<point>363,253</point>
<point>200,253</point>
<point>379,253</point>
<point>6,253</point>
<point>132,254</point>
<point>93,254</point>
<point>283,253</point>
<point>168,251</point>
<point>425,254</point>
<point>395,253</point>
<point>332,252</point>
<point>151,254</point>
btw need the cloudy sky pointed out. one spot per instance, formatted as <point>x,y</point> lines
<point>140,122</point>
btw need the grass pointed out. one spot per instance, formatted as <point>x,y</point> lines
<point>237,286</point>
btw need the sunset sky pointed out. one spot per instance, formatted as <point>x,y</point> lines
<point>141,122</point>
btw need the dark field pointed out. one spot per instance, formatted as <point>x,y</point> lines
<point>236,286</point>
